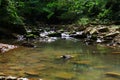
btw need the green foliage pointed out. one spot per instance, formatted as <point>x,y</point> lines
<point>83,21</point>
<point>57,11</point>
<point>8,13</point>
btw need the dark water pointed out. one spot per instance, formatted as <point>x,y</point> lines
<point>88,62</point>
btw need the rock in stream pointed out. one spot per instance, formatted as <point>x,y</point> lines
<point>6,47</point>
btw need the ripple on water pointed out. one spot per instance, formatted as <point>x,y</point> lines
<point>44,61</point>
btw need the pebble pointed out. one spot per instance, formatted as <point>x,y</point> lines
<point>22,79</point>
<point>11,78</point>
<point>2,78</point>
<point>113,74</point>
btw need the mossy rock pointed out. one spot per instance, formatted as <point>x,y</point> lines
<point>31,36</point>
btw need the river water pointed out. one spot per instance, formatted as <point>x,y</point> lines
<point>88,62</point>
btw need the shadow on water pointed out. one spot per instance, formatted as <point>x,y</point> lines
<point>87,62</point>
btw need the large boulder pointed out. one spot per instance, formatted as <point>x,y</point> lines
<point>91,30</point>
<point>6,47</point>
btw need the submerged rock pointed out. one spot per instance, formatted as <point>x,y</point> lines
<point>101,67</point>
<point>32,73</point>
<point>64,75</point>
<point>113,74</point>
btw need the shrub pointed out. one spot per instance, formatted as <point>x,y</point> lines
<point>8,13</point>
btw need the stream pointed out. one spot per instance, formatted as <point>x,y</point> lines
<point>45,62</point>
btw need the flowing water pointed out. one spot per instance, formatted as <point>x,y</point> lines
<point>45,61</point>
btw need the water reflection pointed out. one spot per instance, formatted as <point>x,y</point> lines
<point>88,62</point>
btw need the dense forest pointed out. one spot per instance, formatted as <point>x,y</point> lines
<point>15,14</point>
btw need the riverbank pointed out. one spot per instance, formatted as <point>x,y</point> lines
<point>90,35</point>
<point>55,45</point>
